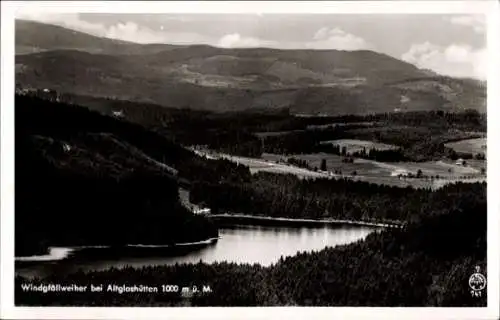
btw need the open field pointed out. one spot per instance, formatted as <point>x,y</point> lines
<point>371,168</point>
<point>354,145</point>
<point>477,164</point>
<point>473,146</point>
<point>366,170</point>
<point>333,162</point>
<point>447,169</point>
<point>257,165</point>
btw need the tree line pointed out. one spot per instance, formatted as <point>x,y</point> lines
<point>96,176</point>
<point>105,195</point>
<point>420,135</point>
<point>427,263</point>
<point>277,195</point>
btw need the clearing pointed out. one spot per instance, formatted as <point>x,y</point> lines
<point>473,146</point>
<point>354,145</point>
<point>388,173</point>
<point>366,170</point>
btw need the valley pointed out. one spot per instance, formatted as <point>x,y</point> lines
<point>276,177</point>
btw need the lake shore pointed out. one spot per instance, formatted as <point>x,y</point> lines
<point>226,218</point>
<point>56,253</point>
<point>60,253</point>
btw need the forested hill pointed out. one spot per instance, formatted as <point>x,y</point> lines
<point>426,264</point>
<point>34,37</point>
<point>218,79</point>
<point>91,174</point>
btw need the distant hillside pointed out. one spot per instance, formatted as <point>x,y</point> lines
<point>216,79</point>
<point>32,37</point>
<point>457,94</point>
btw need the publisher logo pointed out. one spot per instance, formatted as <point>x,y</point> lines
<point>477,282</point>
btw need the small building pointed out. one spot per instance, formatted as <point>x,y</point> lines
<point>118,113</point>
<point>47,94</point>
<point>201,211</point>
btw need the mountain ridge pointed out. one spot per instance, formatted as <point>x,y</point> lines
<point>220,79</point>
<point>38,36</point>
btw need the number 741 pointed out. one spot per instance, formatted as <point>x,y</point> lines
<point>475,294</point>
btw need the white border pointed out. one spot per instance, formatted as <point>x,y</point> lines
<point>8,10</point>
<point>320,7</point>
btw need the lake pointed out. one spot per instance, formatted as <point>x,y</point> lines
<point>241,244</point>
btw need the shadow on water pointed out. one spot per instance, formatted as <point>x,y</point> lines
<point>237,243</point>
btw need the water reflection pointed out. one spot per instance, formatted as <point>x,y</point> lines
<point>241,244</point>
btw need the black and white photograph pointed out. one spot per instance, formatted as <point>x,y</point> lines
<point>250,159</point>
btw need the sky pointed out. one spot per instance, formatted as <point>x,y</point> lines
<point>453,45</point>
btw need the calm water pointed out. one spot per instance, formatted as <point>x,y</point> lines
<point>248,244</point>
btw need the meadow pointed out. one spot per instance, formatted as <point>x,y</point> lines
<point>366,167</point>
<point>473,146</point>
<point>434,174</point>
<point>355,145</point>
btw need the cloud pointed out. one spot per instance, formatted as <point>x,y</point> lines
<point>324,38</point>
<point>131,31</point>
<point>336,38</point>
<point>477,22</point>
<point>127,31</point>
<point>456,60</point>
<point>235,40</point>
<point>69,20</point>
